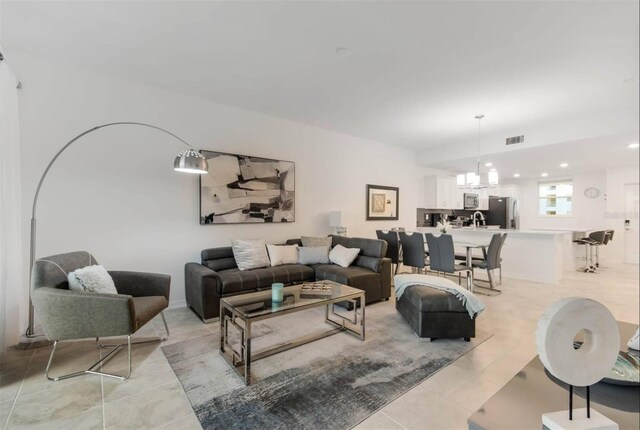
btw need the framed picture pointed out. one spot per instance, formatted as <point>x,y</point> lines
<point>241,189</point>
<point>382,203</point>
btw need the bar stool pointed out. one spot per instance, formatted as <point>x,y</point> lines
<point>595,239</point>
<point>608,236</point>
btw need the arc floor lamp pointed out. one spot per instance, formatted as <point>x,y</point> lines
<point>188,161</point>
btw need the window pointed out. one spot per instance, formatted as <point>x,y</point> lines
<point>555,198</point>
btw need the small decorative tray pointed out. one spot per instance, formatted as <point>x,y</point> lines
<point>316,286</point>
<point>626,371</point>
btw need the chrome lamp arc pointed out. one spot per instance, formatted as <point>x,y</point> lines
<point>188,161</point>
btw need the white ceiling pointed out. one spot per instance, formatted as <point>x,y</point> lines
<point>582,156</point>
<point>418,72</point>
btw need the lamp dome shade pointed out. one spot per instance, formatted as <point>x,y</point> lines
<point>191,161</point>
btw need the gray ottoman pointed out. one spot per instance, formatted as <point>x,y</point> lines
<point>435,313</point>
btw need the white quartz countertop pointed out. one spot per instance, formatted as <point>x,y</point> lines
<point>489,231</point>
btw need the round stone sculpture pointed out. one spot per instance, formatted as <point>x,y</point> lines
<point>557,329</point>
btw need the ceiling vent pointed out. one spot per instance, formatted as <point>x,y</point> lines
<point>515,139</point>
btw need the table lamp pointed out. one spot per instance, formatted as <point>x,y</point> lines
<point>336,220</point>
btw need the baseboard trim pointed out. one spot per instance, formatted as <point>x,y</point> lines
<point>178,304</point>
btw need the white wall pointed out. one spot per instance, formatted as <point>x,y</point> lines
<point>588,214</point>
<point>115,192</point>
<point>615,208</point>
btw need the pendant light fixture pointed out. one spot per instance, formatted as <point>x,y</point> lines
<point>471,180</point>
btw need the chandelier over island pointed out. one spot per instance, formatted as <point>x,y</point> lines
<point>471,180</point>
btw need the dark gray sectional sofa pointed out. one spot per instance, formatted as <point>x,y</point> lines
<point>217,275</point>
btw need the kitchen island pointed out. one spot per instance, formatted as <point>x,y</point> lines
<point>531,255</point>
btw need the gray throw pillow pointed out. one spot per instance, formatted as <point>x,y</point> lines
<point>313,255</point>
<point>91,279</point>
<point>315,242</point>
<point>250,254</point>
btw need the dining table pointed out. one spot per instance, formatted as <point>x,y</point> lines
<point>470,246</point>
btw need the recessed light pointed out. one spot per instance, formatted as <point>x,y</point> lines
<point>493,170</point>
<point>343,52</point>
<point>516,175</point>
<point>633,145</point>
<point>488,164</point>
<point>564,164</point>
<point>544,175</point>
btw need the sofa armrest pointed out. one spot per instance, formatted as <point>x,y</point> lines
<point>198,273</point>
<point>203,290</point>
<point>141,284</point>
<point>386,277</point>
<point>66,314</point>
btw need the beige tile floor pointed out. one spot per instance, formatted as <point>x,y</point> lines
<point>153,398</point>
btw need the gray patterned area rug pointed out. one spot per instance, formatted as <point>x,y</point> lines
<point>332,383</point>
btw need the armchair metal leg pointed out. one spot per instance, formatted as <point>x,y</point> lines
<point>159,339</point>
<point>166,327</point>
<point>115,348</point>
<point>91,370</point>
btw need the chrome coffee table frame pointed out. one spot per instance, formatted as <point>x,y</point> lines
<point>231,316</point>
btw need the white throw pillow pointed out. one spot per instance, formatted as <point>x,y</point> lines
<point>250,254</point>
<point>283,254</point>
<point>91,279</point>
<point>343,256</point>
<point>313,255</point>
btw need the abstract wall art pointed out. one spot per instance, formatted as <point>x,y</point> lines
<point>242,189</point>
<point>382,203</point>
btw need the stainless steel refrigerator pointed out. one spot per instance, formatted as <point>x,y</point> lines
<point>503,211</point>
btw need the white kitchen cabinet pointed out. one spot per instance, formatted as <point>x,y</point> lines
<point>442,193</point>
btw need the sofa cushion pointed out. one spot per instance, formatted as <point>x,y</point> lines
<point>369,247</point>
<point>235,280</point>
<point>92,279</point>
<point>315,241</point>
<point>313,255</point>
<point>357,277</point>
<point>343,256</point>
<point>372,263</point>
<point>282,254</point>
<point>341,240</point>
<point>250,253</point>
<point>426,299</point>
<point>371,250</point>
<point>218,258</point>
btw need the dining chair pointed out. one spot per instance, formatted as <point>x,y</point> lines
<point>393,247</point>
<point>492,259</point>
<point>442,258</point>
<point>413,250</point>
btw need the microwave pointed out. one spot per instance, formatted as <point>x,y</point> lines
<point>471,201</point>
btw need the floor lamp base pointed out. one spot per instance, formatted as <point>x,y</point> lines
<point>36,340</point>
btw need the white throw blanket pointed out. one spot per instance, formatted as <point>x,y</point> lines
<point>472,303</point>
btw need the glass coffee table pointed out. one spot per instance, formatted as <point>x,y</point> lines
<point>241,312</point>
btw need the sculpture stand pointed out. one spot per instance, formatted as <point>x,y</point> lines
<point>580,419</point>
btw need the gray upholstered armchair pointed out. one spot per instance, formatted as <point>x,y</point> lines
<point>66,314</point>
